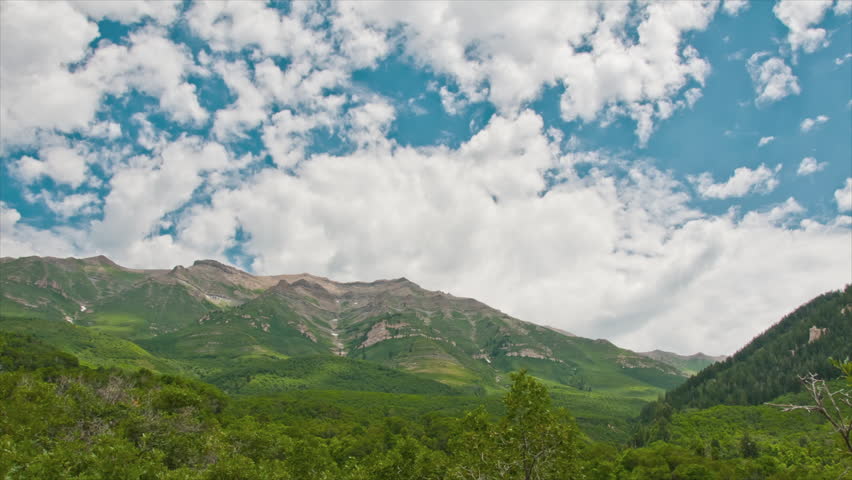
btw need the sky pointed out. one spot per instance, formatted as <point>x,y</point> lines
<point>673,176</point>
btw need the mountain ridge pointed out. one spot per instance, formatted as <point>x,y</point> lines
<point>210,312</point>
<point>688,363</point>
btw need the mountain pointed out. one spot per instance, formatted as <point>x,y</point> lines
<point>770,364</point>
<point>398,324</point>
<point>211,319</point>
<point>690,364</point>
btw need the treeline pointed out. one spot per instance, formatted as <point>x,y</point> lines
<point>770,364</point>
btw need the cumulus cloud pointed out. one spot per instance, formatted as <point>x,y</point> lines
<point>799,17</point>
<point>41,92</point>
<point>37,42</point>
<point>62,163</point>
<point>18,239</point>
<point>130,11</point>
<point>152,187</point>
<point>809,165</point>
<point>525,46</point>
<point>773,79</point>
<point>843,196</point>
<point>744,181</point>
<point>809,123</point>
<point>734,7</point>
<point>78,204</point>
<point>765,141</point>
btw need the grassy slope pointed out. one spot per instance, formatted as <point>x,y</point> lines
<point>146,309</point>
<point>92,348</point>
<point>57,287</point>
<point>443,349</point>
<point>322,373</point>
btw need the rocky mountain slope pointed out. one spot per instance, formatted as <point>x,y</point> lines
<point>213,318</point>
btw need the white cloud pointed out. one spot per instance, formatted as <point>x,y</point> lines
<point>765,140</point>
<point>108,130</point>
<point>843,196</point>
<point>843,59</point>
<point>153,65</point>
<point>809,165</point>
<point>78,204</point>
<point>843,7</point>
<point>61,162</point>
<point>129,11</point>
<point>809,123</point>
<point>525,46</point>
<point>799,16</point>
<point>370,122</point>
<point>778,215</point>
<point>151,187</point>
<point>744,181</point>
<point>19,240</point>
<point>288,135</point>
<point>37,41</point>
<point>40,41</point>
<point>773,79</point>
<point>235,25</point>
<point>734,7</point>
<point>248,111</point>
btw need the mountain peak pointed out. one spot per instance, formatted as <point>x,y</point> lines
<point>215,264</point>
<point>100,260</point>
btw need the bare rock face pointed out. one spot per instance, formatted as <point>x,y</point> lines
<point>816,333</point>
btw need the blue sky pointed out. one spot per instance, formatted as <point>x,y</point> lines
<point>673,175</point>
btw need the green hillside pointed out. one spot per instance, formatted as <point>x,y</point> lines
<point>255,335</point>
<point>260,377</point>
<point>770,364</point>
<point>61,420</point>
<point>93,348</point>
<point>146,309</point>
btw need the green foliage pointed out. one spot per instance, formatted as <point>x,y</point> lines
<point>258,376</point>
<point>770,365</point>
<point>748,447</point>
<point>92,348</point>
<point>146,309</point>
<point>533,440</point>
<point>18,352</point>
<point>60,420</point>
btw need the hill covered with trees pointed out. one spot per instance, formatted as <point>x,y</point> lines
<point>771,363</point>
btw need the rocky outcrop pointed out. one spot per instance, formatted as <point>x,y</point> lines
<point>815,333</point>
<point>379,333</point>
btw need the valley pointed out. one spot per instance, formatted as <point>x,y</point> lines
<point>311,353</point>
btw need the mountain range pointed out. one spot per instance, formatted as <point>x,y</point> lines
<point>211,319</point>
<point>267,337</point>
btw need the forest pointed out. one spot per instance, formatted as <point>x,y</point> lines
<point>63,420</point>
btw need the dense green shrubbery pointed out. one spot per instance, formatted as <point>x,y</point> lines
<point>60,420</point>
<point>322,372</point>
